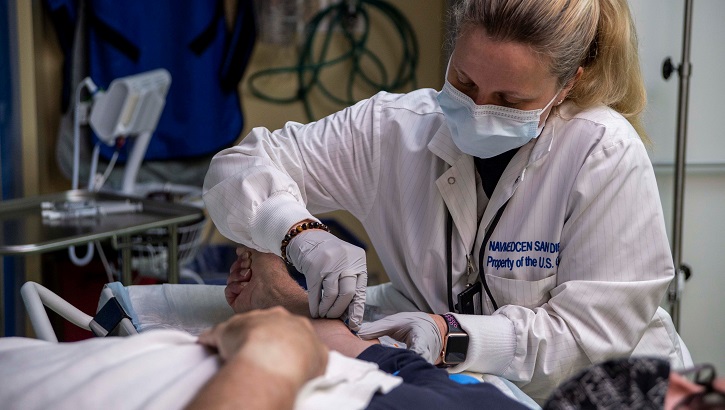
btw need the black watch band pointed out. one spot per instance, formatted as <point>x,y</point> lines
<point>456,342</point>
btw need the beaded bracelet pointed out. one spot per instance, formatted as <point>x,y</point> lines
<point>297,229</point>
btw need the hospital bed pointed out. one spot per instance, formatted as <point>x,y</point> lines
<point>126,310</point>
<point>137,309</point>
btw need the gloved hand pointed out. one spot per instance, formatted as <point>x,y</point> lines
<point>416,329</point>
<point>336,274</point>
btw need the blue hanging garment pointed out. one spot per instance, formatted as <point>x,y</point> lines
<point>189,38</point>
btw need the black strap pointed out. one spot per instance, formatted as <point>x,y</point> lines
<point>108,318</point>
<point>481,274</point>
<point>449,259</point>
<point>240,47</point>
<point>199,44</point>
<point>449,256</point>
<point>114,38</point>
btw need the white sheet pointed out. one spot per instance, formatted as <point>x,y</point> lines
<point>160,369</point>
<point>192,308</point>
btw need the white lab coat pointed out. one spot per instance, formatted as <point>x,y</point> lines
<point>583,203</point>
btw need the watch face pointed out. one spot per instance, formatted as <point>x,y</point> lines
<point>456,348</point>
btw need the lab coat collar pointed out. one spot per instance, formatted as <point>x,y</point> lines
<point>515,173</point>
<point>443,146</point>
<point>457,185</point>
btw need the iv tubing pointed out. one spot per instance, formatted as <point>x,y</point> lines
<point>88,83</point>
<point>340,18</point>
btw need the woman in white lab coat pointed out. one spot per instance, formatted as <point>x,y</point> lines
<point>520,194</point>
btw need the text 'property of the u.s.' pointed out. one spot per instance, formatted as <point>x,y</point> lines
<point>535,254</point>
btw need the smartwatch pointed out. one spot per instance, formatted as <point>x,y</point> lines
<point>456,342</point>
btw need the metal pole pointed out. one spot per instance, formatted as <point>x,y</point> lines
<point>685,71</point>
<point>5,297</point>
<point>126,277</point>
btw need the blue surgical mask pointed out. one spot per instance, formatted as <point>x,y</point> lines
<point>485,131</point>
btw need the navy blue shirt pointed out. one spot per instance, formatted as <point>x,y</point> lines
<point>428,387</point>
<point>491,169</point>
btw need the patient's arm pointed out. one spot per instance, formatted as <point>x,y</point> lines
<point>260,280</point>
<point>337,336</point>
<point>268,354</point>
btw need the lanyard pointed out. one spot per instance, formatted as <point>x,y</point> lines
<point>449,255</point>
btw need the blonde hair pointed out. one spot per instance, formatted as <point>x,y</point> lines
<point>598,35</point>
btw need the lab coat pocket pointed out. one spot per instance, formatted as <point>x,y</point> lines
<point>526,293</point>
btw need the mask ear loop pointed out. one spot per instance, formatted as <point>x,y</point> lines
<point>553,124</point>
<point>551,142</point>
<point>553,130</point>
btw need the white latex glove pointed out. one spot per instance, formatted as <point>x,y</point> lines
<point>336,274</point>
<point>416,329</point>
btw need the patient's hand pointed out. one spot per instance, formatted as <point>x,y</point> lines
<point>269,354</point>
<point>273,339</point>
<point>260,280</point>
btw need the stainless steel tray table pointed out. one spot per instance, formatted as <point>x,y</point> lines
<point>23,231</point>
